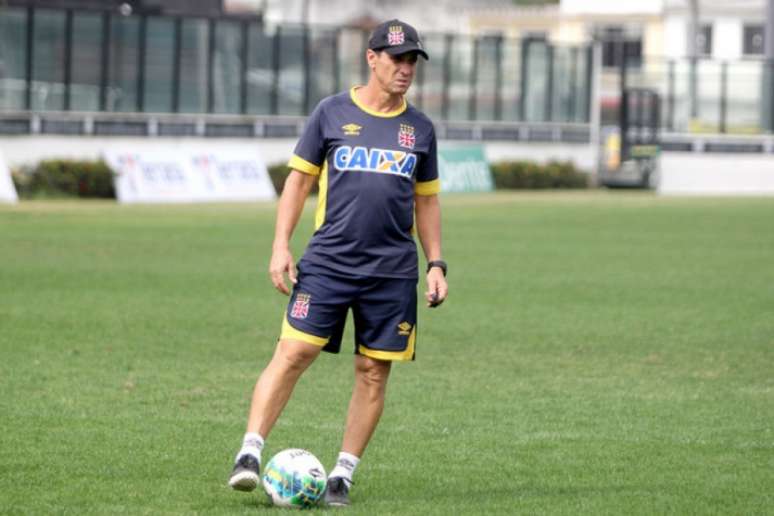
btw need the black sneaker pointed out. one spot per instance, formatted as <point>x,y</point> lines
<point>337,492</point>
<point>244,477</point>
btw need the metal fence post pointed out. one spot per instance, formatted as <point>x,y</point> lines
<point>448,42</point>
<point>592,71</point>
<point>177,36</point>
<point>473,81</point>
<point>363,62</point>
<point>571,101</point>
<point>498,107</point>
<point>244,30</point>
<point>211,65</point>
<point>723,95</point>
<point>671,96</point>
<point>68,57</point>
<point>305,69</point>
<point>523,87</point>
<point>30,50</point>
<point>275,66</point>
<point>420,84</point>
<point>142,45</point>
<point>105,60</point>
<point>549,102</point>
<point>336,64</point>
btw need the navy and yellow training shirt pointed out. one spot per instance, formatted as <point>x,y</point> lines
<point>370,166</point>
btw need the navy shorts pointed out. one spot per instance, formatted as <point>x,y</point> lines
<point>384,311</point>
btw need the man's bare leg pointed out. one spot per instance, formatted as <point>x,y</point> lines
<point>365,409</point>
<point>271,394</point>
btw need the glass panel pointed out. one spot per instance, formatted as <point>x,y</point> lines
<point>486,84</point>
<point>291,71</point>
<point>580,92</point>
<point>259,70</point>
<point>122,90</point>
<point>352,66</point>
<point>86,62</point>
<point>707,117</point>
<point>322,64</point>
<point>511,73</point>
<point>461,60</point>
<point>194,38</point>
<point>227,65</point>
<point>745,86</point>
<point>159,65</point>
<point>563,86</point>
<point>13,60</point>
<point>536,94</point>
<point>48,60</point>
<point>432,76</point>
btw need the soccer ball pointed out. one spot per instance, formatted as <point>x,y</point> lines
<point>294,478</point>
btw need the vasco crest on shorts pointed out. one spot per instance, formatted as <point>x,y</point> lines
<point>300,308</point>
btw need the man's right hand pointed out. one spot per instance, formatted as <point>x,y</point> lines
<point>282,262</point>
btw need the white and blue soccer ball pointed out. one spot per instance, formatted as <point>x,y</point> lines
<point>294,478</point>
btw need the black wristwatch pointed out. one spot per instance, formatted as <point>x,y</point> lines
<point>437,263</point>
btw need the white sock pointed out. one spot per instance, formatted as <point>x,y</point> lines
<point>345,466</point>
<point>252,444</point>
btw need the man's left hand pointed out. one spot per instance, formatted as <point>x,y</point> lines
<point>437,289</point>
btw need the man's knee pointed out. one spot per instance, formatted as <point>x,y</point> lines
<point>372,372</point>
<point>295,355</point>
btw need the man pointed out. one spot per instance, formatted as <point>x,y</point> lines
<point>375,159</point>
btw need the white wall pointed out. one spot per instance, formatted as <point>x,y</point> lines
<point>717,174</point>
<point>727,38</point>
<point>675,37</point>
<point>27,150</point>
<point>611,6</point>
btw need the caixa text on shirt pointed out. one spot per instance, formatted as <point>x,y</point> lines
<point>364,159</point>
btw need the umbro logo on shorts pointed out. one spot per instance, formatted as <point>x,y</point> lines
<point>404,328</point>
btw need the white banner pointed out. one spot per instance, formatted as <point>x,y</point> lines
<point>189,174</point>
<point>7,190</point>
<point>237,174</point>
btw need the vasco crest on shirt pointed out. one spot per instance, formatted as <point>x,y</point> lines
<point>406,136</point>
<point>300,309</point>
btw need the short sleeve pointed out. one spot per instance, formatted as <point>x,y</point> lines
<point>309,153</point>
<point>427,182</point>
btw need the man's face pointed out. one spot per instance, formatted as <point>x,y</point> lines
<point>394,73</point>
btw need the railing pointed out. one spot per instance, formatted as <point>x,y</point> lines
<point>67,60</point>
<point>704,96</point>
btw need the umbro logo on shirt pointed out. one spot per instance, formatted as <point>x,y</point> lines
<point>351,129</point>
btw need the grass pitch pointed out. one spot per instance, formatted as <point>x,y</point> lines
<point>599,354</point>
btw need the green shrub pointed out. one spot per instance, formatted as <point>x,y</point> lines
<point>532,175</point>
<point>278,173</point>
<point>65,178</point>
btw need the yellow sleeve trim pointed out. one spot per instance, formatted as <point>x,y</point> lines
<point>290,333</point>
<point>300,164</point>
<point>428,187</point>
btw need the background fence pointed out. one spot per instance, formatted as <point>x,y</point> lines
<point>79,60</point>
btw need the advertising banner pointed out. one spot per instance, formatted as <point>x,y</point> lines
<point>232,174</point>
<point>189,174</point>
<point>7,190</point>
<point>464,169</point>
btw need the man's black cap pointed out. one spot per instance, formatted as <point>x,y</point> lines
<point>396,37</point>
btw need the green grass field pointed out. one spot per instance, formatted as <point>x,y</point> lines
<point>600,353</point>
